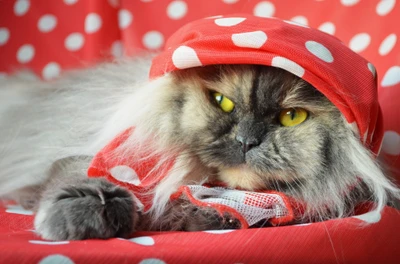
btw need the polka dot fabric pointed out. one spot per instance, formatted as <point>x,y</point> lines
<point>49,37</point>
<point>334,241</point>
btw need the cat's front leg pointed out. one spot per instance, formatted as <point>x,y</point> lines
<point>183,215</point>
<point>87,208</point>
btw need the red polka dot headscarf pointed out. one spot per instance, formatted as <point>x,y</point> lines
<point>344,77</point>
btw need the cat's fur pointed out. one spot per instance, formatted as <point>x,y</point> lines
<point>55,128</point>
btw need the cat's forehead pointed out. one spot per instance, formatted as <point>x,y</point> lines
<point>259,85</point>
<point>255,88</point>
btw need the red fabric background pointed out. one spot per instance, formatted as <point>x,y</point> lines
<point>334,241</point>
<point>129,27</point>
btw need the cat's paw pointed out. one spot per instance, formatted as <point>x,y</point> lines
<point>28,197</point>
<point>210,219</point>
<point>91,209</point>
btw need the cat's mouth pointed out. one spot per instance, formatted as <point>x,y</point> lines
<point>245,178</point>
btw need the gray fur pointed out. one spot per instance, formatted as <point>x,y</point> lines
<point>49,132</point>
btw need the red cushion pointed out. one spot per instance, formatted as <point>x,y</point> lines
<point>334,241</point>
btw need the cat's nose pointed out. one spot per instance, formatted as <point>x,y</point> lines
<point>247,143</point>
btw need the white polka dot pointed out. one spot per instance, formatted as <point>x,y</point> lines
<point>349,2</point>
<point>153,40</point>
<point>177,9</point>
<point>371,67</point>
<point>21,7</point>
<point>152,261</point>
<point>185,57</point>
<point>295,23</point>
<point>370,217</point>
<point>391,143</point>
<point>4,35</point>
<point>114,3</point>
<point>124,18</point>
<point>92,23</point>
<point>328,27</point>
<point>300,20</point>
<point>117,49</point>
<point>51,71</point>
<point>387,44</point>
<point>17,209</point>
<point>253,39</point>
<point>289,65</point>
<point>144,241</point>
<point>229,21</point>
<point>319,50</point>
<point>385,6</point>
<point>125,174</point>
<point>25,53</point>
<point>70,2</point>
<point>41,242</point>
<point>360,42</point>
<point>264,9</point>
<point>47,23</point>
<point>391,77</point>
<point>219,231</point>
<point>230,1</point>
<point>74,41</point>
<point>56,259</point>
<point>146,1</point>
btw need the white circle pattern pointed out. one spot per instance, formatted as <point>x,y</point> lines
<point>360,42</point>
<point>74,41</point>
<point>125,18</point>
<point>264,9</point>
<point>319,50</point>
<point>47,23</point>
<point>185,57</point>
<point>4,36</point>
<point>153,40</point>
<point>93,23</point>
<point>255,39</point>
<point>25,53</point>
<point>177,9</point>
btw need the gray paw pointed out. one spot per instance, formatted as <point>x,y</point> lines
<point>92,208</point>
<point>211,219</point>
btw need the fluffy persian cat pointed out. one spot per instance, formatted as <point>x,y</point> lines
<point>252,127</point>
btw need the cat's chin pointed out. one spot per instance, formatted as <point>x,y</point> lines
<point>241,177</point>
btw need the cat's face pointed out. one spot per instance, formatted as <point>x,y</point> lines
<point>231,118</point>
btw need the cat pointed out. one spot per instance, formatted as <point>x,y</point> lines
<point>225,123</point>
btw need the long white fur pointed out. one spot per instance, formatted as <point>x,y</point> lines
<point>80,115</point>
<point>370,172</point>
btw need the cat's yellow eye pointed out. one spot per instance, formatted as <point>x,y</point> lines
<point>293,116</point>
<point>225,103</point>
